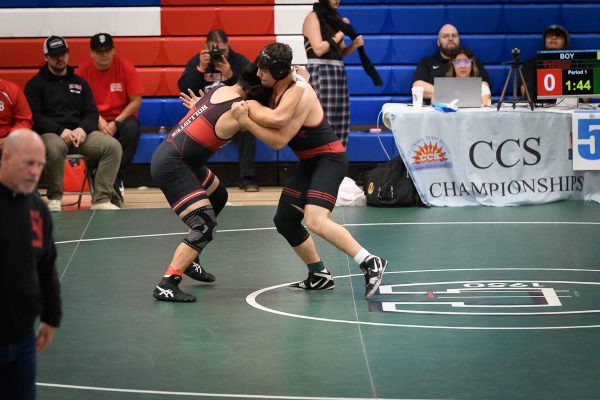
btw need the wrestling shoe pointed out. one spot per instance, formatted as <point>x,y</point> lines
<point>168,290</point>
<point>315,281</point>
<point>373,268</point>
<point>198,273</point>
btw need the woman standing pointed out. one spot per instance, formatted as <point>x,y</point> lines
<point>325,48</point>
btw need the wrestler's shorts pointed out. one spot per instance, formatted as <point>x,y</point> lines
<point>316,181</point>
<point>182,182</point>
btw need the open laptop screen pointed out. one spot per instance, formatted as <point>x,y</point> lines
<point>466,90</point>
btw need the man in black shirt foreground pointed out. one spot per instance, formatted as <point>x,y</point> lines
<point>29,286</point>
<point>437,65</point>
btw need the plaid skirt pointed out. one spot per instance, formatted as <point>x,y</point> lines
<point>328,79</point>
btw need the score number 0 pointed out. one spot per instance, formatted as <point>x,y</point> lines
<point>549,82</point>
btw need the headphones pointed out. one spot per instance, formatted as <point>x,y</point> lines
<point>279,69</point>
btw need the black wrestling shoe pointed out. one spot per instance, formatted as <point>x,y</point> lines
<point>168,290</point>
<point>373,268</point>
<point>198,273</point>
<point>315,281</point>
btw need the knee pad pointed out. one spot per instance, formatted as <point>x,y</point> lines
<point>218,198</point>
<point>203,223</point>
<point>288,221</point>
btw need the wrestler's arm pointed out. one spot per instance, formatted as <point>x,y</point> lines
<point>275,138</point>
<point>279,117</point>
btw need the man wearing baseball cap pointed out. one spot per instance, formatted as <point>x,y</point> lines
<point>118,94</point>
<point>66,117</point>
<point>555,37</point>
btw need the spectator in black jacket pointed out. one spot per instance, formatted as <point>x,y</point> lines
<point>29,286</point>
<point>555,37</point>
<point>205,70</point>
<point>65,114</point>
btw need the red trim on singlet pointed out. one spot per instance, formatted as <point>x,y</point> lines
<point>333,147</point>
<point>207,139</point>
<point>209,174</point>
<point>291,192</point>
<point>188,197</point>
<point>315,194</point>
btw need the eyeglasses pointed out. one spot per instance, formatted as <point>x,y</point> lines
<point>466,63</point>
<point>449,35</point>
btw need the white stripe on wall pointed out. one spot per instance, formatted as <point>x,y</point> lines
<point>311,2</point>
<point>289,19</point>
<point>296,42</point>
<point>42,22</point>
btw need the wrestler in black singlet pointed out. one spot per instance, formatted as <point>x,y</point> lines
<point>323,166</point>
<point>178,163</point>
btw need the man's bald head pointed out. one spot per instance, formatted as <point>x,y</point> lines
<point>448,40</point>
<point>23,159</point>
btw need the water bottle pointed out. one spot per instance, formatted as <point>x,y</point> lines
<point>162,131</point>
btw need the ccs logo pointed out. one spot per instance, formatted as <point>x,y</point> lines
<point>429,152</point>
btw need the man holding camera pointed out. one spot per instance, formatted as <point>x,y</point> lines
<point>217,64</point>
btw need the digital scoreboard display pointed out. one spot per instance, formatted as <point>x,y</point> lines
<point>568,73</point>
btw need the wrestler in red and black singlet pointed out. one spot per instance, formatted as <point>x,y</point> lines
<point>323,166</point>
<point>178,163</point>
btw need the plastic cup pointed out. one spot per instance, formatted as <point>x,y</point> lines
<point>417,97</point>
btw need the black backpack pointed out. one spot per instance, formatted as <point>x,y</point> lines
<point>390,185</point>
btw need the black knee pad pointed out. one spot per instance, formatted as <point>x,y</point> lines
<point>218,198</point>
<point>203,223</point>
<point>288,221</point>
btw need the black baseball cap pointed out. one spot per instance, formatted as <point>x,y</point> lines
<point>55,45</point>
<point>101,41</point>
<point>556,30</point>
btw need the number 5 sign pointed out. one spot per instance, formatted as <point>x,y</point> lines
<point>586,140</point>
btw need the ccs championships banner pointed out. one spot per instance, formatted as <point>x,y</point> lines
<point>490,158</point>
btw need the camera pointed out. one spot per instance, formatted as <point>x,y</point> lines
<point>516,53</point>
<point>216,55</point>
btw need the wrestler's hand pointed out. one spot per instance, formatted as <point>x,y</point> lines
<point>301,71</point>
<point>239,110</point>
<point>190,100</point>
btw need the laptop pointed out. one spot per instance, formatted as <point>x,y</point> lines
<point>466,90</point>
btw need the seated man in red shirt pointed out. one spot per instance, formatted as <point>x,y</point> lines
<point>118,95</point>
<point>14,110</point>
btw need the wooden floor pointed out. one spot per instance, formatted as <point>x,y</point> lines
<point>146,197</point>
<point>153,198</point>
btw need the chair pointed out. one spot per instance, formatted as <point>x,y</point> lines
<point>88,177</point>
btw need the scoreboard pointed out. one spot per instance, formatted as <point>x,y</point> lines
<point>568,73</point>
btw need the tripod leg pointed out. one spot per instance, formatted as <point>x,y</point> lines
<point>504,90</point>
<point>527,96</point>
<point>515,78</point>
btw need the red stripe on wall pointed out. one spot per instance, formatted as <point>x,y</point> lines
<point>234,20</point>
<point>214,2</point>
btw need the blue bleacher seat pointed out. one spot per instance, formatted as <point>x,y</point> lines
<point>365,146</point>
<point>161,111</point>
